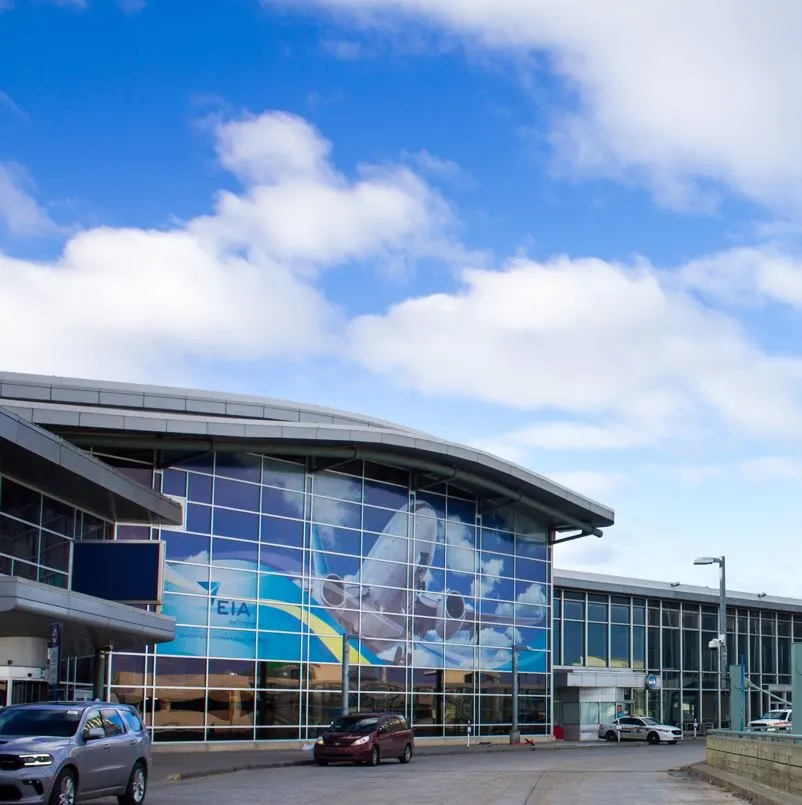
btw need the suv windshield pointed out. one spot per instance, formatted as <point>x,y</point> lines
<point>354,724</point>
<point>31,722</point>
<point>775,715</point>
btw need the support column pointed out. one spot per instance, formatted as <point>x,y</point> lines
<point>99,686</point>
<point>796,687</point>
<point>515,732</point>
<point>346,679</point>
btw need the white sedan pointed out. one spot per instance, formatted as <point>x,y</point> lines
<point>639,728</point>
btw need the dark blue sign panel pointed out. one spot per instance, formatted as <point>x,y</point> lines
<point>129,572</point>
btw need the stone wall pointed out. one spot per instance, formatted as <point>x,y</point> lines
<point>772,760</point>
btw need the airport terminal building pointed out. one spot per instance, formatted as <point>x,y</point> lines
<point>297,525</point>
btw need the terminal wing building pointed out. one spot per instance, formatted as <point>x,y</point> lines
<point>208,558</point>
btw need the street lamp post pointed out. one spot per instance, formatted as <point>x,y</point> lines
<point>722,621</point>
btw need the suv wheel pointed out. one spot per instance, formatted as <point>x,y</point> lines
<point>64,790</point>
<point>137,787</point>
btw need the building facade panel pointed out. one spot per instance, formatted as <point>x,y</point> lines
<point>276,562</point>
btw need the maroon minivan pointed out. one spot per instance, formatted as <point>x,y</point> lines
<point>366,738</point>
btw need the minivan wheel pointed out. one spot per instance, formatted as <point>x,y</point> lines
<point>407,756</point>
<point>137,787</point>
<point>374,756</point>
<point>64,790</point>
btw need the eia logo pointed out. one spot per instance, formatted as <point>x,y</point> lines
<point>223,606</point>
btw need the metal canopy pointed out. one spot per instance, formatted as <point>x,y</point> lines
<point>27,609</point>
<point>54,466</point>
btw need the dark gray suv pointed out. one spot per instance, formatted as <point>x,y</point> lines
<point>52,754</point>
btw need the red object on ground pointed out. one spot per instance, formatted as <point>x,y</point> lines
<point>559,733</point>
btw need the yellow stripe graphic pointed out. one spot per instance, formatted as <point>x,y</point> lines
<point>331,638</point>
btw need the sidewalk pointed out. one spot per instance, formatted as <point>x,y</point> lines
<point>751,791</point>
<point>172,767</point>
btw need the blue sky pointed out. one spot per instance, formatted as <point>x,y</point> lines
<point>566,234</point>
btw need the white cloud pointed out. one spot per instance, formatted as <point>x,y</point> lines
<point>592,484</point>
<point>672,93</point>
<point>8,102</point>
<point>770,468</point>
<point>623,344</point>
<point>132,7</point>
<point>20,214</point>
<point>235,284</point>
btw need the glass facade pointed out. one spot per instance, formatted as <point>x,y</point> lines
<point>36,531</point>
<point>670,639</point>
<point>276,561</point>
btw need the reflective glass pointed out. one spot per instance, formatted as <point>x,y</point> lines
<point>236,494</point>
<point>200,488</point>
<point>385,495</point>
<point>283,474</point>
<point>242,466</point>
<point>335,485</point>
<point>282,503</point>
<point>231,523</point>
<point>329,511</point>
<point>199,518</point>
<point>282,531</point>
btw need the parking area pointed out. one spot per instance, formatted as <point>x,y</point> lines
<point>581,776</point>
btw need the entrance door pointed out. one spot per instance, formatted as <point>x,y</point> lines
<point>25,692</point>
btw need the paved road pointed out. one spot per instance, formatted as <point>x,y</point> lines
<point>583,776</point>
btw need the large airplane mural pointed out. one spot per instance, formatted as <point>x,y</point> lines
<point>371,604</point>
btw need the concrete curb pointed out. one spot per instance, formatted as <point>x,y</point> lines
<point>749,790</point>
<point>307,760</point>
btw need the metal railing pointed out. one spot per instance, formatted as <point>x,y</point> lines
<point>758,735</point>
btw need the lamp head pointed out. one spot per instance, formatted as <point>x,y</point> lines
<point>707,560</point>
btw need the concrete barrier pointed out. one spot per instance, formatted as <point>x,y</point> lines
<point>773,759</point>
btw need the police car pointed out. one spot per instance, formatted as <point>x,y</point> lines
<point>773,721</point>
<point>639,728</point>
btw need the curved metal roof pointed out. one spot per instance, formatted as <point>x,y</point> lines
<point>87,411</point>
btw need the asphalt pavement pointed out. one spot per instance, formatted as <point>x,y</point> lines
<point>575,776</point>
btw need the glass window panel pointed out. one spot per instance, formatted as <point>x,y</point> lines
<point>639,615</point>
<point>671,648</point>
<point>230,523</point>
<point>597,608</point>
<point>619,613</point>
<point>351,565</point>
<point>462,510</point>
<point>19,540</point>
<point>283,474</point>
<point>597,645</point>
<point>128,670</point>
<point>709,655</point>
<point>227,551</point>
<point>189,610</point>
<point>57,516</point>
<point>174,482</point>
<point>183,547</point>
<point>274,708</point>
<point>20,501</point>
<point>281,559</point>
<point>279,646</point>
<point>532,548</point>
<point>670,617</point>
<point>784,656</point>
<point>574,606</point>
<point>232,644</point>
<point>690,650</point>
<point>199,518</point>
<point>53,578</point>
<point>461,560</point>
<point>278,674</point>
<point>460,535</point>
<point>497,541</point>
<point>385,521</point>
<point>336,512</point>
<point>495,564</point>
<point>690,617</point>
<point>386,495</point>
<point>283,531</point>
<point>463,583</point>
<point>573,643</point>
<point>242,466</point>
<point>768,656</point>
<point>530,570</point>
<point>282,502</point>
<point>180,672</point>
<point>619,646</point>
<point>236,494</point>
<point>709,619</point>
<point>654,663</point>
<point>92,528</point>
<point>638,648</point>
<point>436,502</point>
<point>199,488</point>
<point>132,532</point>
<point>335,485</point>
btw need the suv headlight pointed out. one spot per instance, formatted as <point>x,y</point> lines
<point>36,760</point>
<point>363,740</point>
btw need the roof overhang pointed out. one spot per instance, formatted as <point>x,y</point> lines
<point>38,457</point>
<point>27,609</point>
